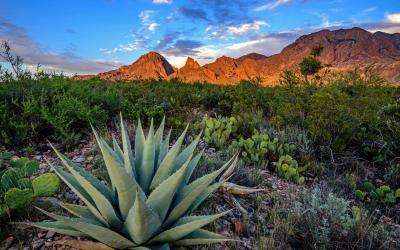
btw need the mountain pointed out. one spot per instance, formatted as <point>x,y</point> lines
<point>149,66</point>
<point>344,49</point>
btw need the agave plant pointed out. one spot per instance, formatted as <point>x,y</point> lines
<point>148,202</point>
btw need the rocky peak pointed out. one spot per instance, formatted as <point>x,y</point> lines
<point>191,63</point>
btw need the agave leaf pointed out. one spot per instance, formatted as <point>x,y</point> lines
<point>123,182</point>
<point>192,165</point>
<point>163,149</point>
<point>85,174</point>
<point>158,138</point>
<point>160,247</point>
<point>103,204</point>
<point>186,153</point>
<point>79,211</point>
<point>146,169</point>
<point>204,195</point>
<point>167,165</point>
<point>129,161</point>
<point>180,231</point>
<point>139,146</point>
<point>142,222</point>
<point>161,198</point>
<point>74,185</point>
<point>117,149</point>
<point>73,219</point>
<point>209,178</point>
<point>229,172</point>
<point>181,208</point>
<point>102,234</point>
<point>58,227</point>
<point>200,237</point>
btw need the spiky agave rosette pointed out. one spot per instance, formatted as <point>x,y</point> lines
<point>148,203</point>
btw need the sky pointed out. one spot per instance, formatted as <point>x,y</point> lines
<point>92,36</point>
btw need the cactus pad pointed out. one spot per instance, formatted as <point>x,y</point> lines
<point>18,198</point>
<point>46,185</point>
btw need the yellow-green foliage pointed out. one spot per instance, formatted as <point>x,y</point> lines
<point>289,169</point>
<point>218,130</point>
<point>46,185</point>
<point>148,203</point>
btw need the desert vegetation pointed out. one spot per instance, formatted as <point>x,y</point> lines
<point>311,164</point>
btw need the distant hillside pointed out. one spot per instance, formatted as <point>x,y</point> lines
<point>344,49</point>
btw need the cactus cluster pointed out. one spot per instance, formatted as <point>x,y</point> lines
<point>382,194</point>
<point>289,169</point>
<point>218,130</point>
<point>261,147</point>
<point>148,202</point>
<point>17,190</point>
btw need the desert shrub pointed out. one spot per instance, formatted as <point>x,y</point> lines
<point>392,175</point>
<point>249,123</point>
<point>327,218</point>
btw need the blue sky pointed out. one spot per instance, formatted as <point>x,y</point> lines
<point>92,36</point>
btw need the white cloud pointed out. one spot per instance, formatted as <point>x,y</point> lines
<point>153,26</point>
<point>177,61</point>
<point>272,5</point>
<point>246,27</point>
<point>209,27</point>
<point>393,18</point>
<point>146,16</point>
<point>162,1</point>
<point>147,20</point>
<point>369,10</point>
<point>267,45</point>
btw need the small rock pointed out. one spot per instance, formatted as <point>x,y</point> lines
<point>239,227</point>
<point>37,157</point>
<point>50,234</point>
<point>37,244</point>
<point>79,160</point>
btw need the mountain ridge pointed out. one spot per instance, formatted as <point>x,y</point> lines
<point>344,49</point>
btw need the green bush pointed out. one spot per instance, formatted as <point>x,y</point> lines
<point>327,218</point>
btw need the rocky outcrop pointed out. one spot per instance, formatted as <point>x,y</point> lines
<point>193,72</point>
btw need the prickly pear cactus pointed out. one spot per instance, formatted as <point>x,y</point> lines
<point>46,185</point>
<point>27,167</point>
<point>289,169</point>
<point>16,188</point>
<point>18,198</point>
